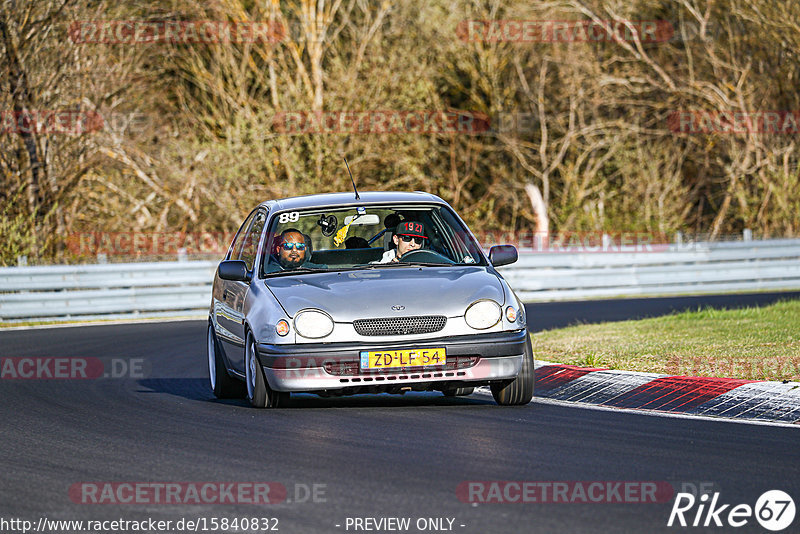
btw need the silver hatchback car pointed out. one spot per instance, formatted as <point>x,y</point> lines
<point>341,294</point>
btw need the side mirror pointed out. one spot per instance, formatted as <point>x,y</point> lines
<point>502,255</point>
<point>235,270</point>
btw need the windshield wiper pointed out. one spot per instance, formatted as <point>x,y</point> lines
<point>405,264</point>
<point>300,270</point>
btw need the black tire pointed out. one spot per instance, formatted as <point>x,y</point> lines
<point>258,391</point>
<point>520,390</point>
<point>222,384</point>
<point>458,392</point>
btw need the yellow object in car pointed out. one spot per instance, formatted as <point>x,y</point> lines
<point>341,235</point>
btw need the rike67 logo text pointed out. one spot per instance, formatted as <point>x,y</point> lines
<point>774,510</point>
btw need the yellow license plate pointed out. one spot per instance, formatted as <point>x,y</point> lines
<point>393,359</point>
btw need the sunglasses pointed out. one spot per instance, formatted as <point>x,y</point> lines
<point>290,246</point>
<point>408,238</point>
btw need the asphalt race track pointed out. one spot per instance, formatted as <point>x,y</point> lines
<point>367,456</point>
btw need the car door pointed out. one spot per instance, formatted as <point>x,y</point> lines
<point>235,293</point>
<point>224,315</point>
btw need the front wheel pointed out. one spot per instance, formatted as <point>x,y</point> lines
<point>258,391</point>
<point>222,384</point>
<point>520,390</point>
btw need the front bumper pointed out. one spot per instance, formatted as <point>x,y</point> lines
<point>472,360</point>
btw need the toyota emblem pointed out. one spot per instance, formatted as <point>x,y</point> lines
<point>398,307</point>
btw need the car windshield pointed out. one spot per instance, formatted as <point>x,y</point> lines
<point>367,237</point>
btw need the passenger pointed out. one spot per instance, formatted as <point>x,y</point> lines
<point>408,236</point>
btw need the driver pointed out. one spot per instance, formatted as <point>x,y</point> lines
<point>294,250</point>
<point>408,236</point>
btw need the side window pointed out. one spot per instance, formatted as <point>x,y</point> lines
<point>236,246</point>
<point>250,245</point>
<point>456,240</point>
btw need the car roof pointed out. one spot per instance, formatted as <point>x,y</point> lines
<point>348,199</point>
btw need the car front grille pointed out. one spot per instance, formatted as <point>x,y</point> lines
<point>397,326</point>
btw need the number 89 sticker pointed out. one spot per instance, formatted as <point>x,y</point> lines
<point>775,510</point>
<point>284,218</point>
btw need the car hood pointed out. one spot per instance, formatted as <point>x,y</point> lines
<point>351,295</point>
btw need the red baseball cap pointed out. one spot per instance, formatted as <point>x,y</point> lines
<point>411,228</point>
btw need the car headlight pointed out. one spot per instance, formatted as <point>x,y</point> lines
<point>483,314</point>
<point>313,324</point>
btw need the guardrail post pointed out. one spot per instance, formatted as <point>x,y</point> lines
<point>747,235</point>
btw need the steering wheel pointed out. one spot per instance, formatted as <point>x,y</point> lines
<point>425,256</point>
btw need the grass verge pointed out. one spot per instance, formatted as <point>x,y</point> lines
<point>752,343</point>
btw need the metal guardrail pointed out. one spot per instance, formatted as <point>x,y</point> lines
<point>106,291</point>
<point>184,287</point>
<point>674,269</point>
